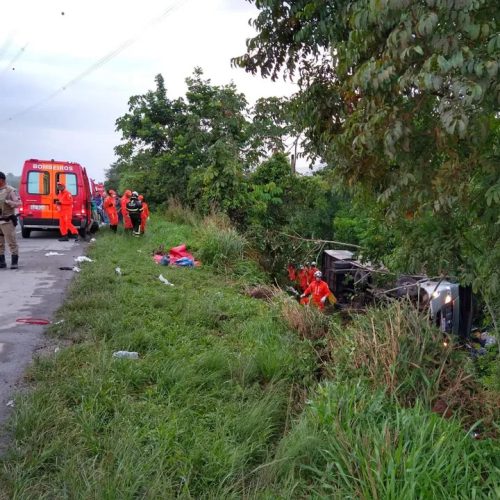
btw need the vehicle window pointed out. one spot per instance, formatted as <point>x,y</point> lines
<point>38,182</point>
<point>69,180</point>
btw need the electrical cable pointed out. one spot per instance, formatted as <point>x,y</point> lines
<point>105,59</point>
<point>19,53</point>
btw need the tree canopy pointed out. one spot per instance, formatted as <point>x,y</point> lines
<point>402,97</point>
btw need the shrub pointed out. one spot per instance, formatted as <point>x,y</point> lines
<point>353,442</point>
<point>221,246</point>
<point>180,214</point>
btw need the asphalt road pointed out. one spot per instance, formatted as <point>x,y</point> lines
<point>35,290</point>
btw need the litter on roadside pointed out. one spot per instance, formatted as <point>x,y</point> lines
<point>57,349</point>
<point>33,321</point>
<point>59,322</point>
<point>176,256</point>
<point>118,271</point>
<point>11,403</point>
<point>126,355</point>
<point>76,269</point>
<point>165,280</point>
<point>50,254</point>
<point>83,258</point>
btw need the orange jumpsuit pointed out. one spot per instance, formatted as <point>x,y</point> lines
<point>303,279</point>
<point>126,217</point>
<point>65,213</point>
<point>110,209</point>
<point>144,215</point>
<point>292,273</point>
<point>319,290</point>
<point>312,270</point>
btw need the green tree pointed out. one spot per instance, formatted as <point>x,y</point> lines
<point>171,148</point>
<point>402,97</point>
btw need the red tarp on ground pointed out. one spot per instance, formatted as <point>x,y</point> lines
<point>179,252</point>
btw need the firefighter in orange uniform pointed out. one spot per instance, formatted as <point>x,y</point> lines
<point>319,291</point>
<point>303,278</point>
<point>312,270</point>
<point>144,214</point>
<point>127,222</point>
<point>64,203</point>
<point>109,206</point>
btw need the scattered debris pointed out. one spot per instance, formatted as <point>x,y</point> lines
<point>92,240</point>
<point>126,355</point>
<point>59,322</point>
<point>165,280</point>
<point>83,258</point>
<point>76,269</point>
<point>118,271</point>
<point>11,403</point>
<point>57,349</point>
<point>50,254</point>
<point>33,321</point>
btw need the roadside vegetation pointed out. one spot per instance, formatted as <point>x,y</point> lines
<point>237,397</point>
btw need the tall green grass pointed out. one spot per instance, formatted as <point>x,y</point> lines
<point>203,406</point>
<point>234,397</point>
<point>353,442</point>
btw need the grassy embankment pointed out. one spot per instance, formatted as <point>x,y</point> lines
<point>225,400</point>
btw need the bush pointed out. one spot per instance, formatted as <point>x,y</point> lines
<point>397,349</point>
<point>180,214</point>
<point>352,442</point>
<point>221,246</point>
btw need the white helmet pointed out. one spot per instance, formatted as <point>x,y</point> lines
<point>318,274</point>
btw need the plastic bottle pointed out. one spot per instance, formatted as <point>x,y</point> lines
<point>126,354</point>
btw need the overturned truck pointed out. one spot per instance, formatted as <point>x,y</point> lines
<point>450,305</point>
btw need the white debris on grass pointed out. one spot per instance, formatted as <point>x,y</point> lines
<point>118,271</point>
<point>165,280</point>
<point>126,354</point>
<point>83,258</point>
<point>76,269</point>
<point>11,403</point>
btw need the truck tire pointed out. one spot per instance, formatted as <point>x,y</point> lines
<point>25,232</point>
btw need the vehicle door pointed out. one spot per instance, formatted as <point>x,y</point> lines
<point>39,203</point>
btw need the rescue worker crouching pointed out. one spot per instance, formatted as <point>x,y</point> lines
<point>319,290</point>
<point>134,210</point>
<point>9,201</point>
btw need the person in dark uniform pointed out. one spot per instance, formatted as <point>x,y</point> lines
<point>134,210</point>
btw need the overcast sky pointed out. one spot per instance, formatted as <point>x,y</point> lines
<point>45,44</point>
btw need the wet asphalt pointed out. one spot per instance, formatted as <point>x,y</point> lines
<point>35,290</point>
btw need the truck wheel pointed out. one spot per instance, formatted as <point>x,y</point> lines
<point>25,232</point>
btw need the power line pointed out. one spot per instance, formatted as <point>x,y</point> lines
<point>19,53</point>
<point>105,59</point>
